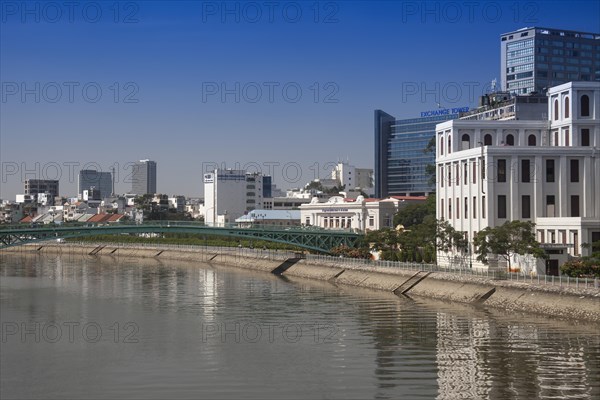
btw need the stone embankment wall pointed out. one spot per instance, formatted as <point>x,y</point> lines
<point>564,302</point>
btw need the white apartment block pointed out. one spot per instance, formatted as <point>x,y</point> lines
<point>546,172</point>
<point>351,177</point>
<point>229,194</point>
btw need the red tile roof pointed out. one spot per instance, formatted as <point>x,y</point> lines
<point>26,219</point>
<point>418,198</point>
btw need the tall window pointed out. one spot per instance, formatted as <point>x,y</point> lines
<point>585,137</point>
<point>550,206</point>
<point>574,170</point>
<point>474,172</point>
<point>482,206</point>
<point>526,206</point>
<point>531,140</point>
<point>442,145</point>
<point>566,137</point>
<point>510,140</point>
<point>466,207</point>
<point>549,170</point>
<point>465,168</point>
<point>501,170</point>
<point>474,206</point>
<point>555,110</point>
<point>457,174</point>
<point>449,208</point>
<point>525,171</point>
<point>501,206</point>
<point>567,107</point>
<point>449,144</point>
<point>584,105</point>
<point>487,140</point>
<point>465,142</point>
<point>441,176</point>
<point>449,175</point>
<point>575,206</point>
<point>442,209</point>
<point>457,208</point>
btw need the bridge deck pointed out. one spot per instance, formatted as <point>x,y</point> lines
<point>321,240</point>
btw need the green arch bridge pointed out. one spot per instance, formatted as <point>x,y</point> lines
<point>320,240</point>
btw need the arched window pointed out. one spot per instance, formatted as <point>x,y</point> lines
<point>510,140</point>
<point>449,144</point>
<point>531,140</point>
<point>465,142</point>
<point>567,107</point>
<point>441,145</point>
<point>584,104</point>
<point>487,140</point>
<point>555,110</point>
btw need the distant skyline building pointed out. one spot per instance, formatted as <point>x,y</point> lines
<point>230,193</point>
<point>40,186</point>
<point>143,177</point>
<point>350,177</point>
<point>89,178</point>
<point>534,59</point>
<point>400,157</point>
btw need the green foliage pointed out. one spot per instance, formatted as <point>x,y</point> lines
<point>190,239</point>
<point>513,237</point>
<point>588,266</point>
<point>581,268</point>
<point>430,169</point>
<point>345,251</point>
<point>415,214</point>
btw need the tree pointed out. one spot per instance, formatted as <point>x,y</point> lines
<point>514,237</point>
<point>430,168</point>
<point>414,214</point>
<point>449,240</point>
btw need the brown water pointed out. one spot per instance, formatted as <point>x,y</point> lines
<point>90,328</point>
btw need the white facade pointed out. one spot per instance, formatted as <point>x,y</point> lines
<point>339,213</point>
<point>546,172</point>
<point>351,177</point>
<point>229,194</point>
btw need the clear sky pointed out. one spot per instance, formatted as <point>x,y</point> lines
<point>287,87</point>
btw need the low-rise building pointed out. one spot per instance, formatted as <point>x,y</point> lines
<point>270,217</point>
<point>358,214</point>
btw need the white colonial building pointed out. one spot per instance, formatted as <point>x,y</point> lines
<point>356,214</point>
<point>546,172</point>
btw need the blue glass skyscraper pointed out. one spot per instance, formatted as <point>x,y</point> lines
<point>400,157</point>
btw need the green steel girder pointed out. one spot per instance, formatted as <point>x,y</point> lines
<point>320,240</point>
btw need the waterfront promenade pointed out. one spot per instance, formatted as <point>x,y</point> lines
<point>555,296</point>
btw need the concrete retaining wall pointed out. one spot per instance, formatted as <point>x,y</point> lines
<point>516,296</point>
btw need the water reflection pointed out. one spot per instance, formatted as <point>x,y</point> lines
<point>212,331</point>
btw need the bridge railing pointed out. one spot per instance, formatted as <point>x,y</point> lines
<point>169,223</point>
<point>548,280</point>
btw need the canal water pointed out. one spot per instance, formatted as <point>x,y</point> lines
<point>143,329</point>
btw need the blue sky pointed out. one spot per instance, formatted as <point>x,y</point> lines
<point>288,87</point>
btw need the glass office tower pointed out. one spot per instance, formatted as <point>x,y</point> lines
<point>534,59</point>
<point>400,157</point>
